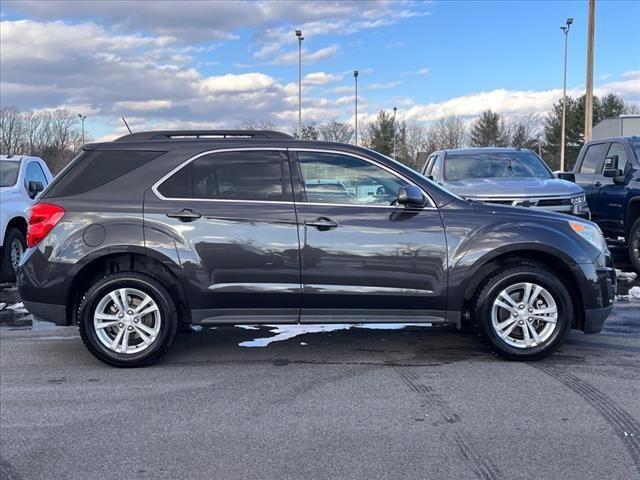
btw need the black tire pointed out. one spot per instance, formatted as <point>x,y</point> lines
<point>483,304</point>
<point>160,295</point>
<point>634,245</point>
<point>7,271</point>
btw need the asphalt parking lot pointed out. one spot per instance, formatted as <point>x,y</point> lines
<point>244,403</point>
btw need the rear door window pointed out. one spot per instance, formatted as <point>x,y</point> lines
<point>260,175</point>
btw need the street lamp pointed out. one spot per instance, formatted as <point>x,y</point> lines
<point>355,77</point>
<point>565,30</point>
<point>395,110</point>
<point>82,119</point>
<point>300,39</point>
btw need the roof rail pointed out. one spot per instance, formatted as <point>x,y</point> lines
<point>201,134</point>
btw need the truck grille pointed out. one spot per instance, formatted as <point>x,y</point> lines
<point>553,204</point>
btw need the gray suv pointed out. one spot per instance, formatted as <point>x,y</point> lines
<point>505,176</point>
<point>158,229</point>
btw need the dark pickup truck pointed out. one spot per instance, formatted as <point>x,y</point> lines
<point>609,172</point>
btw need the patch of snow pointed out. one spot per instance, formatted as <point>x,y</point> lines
<point>285,332</point>
<point>634,292</point>
<point>626,276</point>
<point>2,306</point>
<point>17,307</point>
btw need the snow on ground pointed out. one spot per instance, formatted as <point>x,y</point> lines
<point>626,276</point>
<point>285,332</point>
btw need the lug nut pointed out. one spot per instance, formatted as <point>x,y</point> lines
<point>129,312</point>
<point>121,324</point>
<point>129,327</point>
<point>121,315</point>
<point>521,307</point>
<point>136,320</point>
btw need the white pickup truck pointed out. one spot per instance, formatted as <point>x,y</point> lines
<point>21,181</point>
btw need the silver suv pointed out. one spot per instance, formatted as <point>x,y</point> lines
<point>506,176</point>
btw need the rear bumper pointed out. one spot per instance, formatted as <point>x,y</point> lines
<point>48,312</point>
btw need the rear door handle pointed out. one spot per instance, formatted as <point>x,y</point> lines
<point>185,215</point>
<point>597,184</point>
<point>322,223</point>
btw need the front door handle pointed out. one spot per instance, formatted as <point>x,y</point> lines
<point>322,223</point>
<point>597,184</point>
<point>185,215</point>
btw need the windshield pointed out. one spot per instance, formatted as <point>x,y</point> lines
<point>9,173</point>
<point>459,166</point>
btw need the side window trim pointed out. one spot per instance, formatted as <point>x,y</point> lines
<point>156,186</point>
<point>431,203</point>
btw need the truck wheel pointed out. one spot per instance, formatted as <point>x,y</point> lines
<point>524,312</point>
<point>634,245</point>
<point>12,250</point>
<point>128,319</point>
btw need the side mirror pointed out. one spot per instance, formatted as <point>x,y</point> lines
<point>611,162</point>
<point>612,172</point>
<point>569,176</point>
<point>430,177</point>
<point>411,196</point>
<point>34,189</point>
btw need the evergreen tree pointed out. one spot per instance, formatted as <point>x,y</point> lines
<point>380,133</point>
<point>489,131</point>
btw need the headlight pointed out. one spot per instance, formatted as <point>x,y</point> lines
<point>579,199</point>
<point>591,233</point>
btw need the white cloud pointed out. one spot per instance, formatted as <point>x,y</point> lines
<point>384,86</point>
<point>244,82</point>
<point>631,74</point>
<point>271,55</point>
<point>143,105</point>
<point>321,78</point>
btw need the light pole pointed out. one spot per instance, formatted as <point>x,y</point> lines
<point>82,119</point>
<point>355,77</point>
<point>300,39</point>
<point>395,110</point>
<point>565,29</point>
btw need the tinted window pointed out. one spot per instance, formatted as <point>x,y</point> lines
<point>34,173</point>
<point>592,158</point>
<point>92,169</point>
<point>636,149</point>
<point>250,175</point>
<point>9,173</point>
<point>458,166</point>
<point>619,150</point>
<point>335,178</point>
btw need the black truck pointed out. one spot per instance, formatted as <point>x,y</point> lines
<point>609,172</point>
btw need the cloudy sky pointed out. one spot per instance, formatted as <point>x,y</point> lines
<point>217,64</point>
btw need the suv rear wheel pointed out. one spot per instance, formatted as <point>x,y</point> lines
<point>128,320</point>
<point>634,245</point>
<point>524,313</point>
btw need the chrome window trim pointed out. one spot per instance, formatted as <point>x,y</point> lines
<point>154,187</point>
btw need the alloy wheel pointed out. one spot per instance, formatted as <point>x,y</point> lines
<point>16,250</point>
<point>524,315</point>
<point>127,321</point>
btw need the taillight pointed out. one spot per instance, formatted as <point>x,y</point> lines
<point>42,218</point>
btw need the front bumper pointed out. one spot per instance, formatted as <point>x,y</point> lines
<point>599,296</point>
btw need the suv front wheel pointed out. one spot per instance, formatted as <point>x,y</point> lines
<point>634,245</point>
<point>524,313</point>
<point>128,320</point>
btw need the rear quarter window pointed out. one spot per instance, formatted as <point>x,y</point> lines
<point>92,169</point>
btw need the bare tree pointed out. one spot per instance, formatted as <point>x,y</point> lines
<point>335,131</point>
<point>449,132</point>
<point>525,130</point>
<point>11,129</point>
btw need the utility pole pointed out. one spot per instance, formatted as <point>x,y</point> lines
<point>588,99</point>
<point>355,76</point>
<point>565,29</point>
<point>395,110</point>
<point>82,119</point>
<point>300,39</point>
